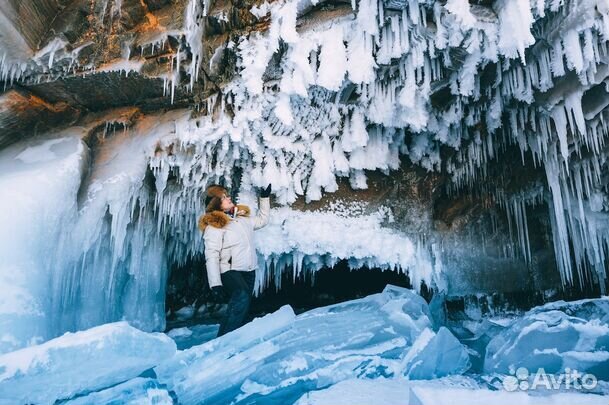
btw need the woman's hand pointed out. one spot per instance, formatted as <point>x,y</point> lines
<point>266,193</point>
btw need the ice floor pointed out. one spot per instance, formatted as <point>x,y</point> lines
<point>381,349</point>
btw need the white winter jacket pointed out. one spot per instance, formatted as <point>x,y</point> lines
<point>229,241</point>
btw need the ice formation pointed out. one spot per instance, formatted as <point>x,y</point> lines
<point>133,392</point>
<point>435,355</point>
<point>299,136</point>
<point>280,356</point>
<point>557,337</point>
<point>40,184</point>
<point>77,363</point>
<point>383,349</point>
<point>61,249</point>
<point>186,337</point>
<point>337,233</point>
<point>94,214</point>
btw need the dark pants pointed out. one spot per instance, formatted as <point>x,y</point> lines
<point>239,285</point>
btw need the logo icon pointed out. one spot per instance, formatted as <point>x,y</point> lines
<point>517,380</point>
<point>521,379</point>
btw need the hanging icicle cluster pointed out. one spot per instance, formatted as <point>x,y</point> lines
<point>357,92</point>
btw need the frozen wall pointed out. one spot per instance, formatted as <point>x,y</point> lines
<point>78,248</point>
<point>39,183</point>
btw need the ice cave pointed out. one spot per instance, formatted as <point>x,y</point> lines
<point>421,189</point>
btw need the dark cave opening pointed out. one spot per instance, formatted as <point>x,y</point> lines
<point>188,295</point>
<point>330,285</point>
<point>187,288</point>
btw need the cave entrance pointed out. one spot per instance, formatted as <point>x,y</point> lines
<point>327,286</point>
<point>187,299</point>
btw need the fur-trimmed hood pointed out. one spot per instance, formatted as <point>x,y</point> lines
<point>219,219</point>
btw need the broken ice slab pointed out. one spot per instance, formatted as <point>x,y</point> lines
<point>454,391</point>
<point>364,338</point>
<point>184,313</point>
<point>482,332</point>
<point>138,391</point>
<point>435,355</point>
<point>281,357</point>
<point>207,370</point>
<point>554,337</point>
<point>589,309</point>
<point>80,362</point>
<point>186,337</point>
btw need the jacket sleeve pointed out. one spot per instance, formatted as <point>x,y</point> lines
<point>264,211</point>
<point>213,245</point>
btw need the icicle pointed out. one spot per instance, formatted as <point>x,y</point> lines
<point>194,37</point>
<point>515,22</point>
<point>573,51</point>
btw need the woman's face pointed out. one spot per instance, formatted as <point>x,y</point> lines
<point>227,203</point>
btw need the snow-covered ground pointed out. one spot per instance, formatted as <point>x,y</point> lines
<point>458,391</point>
<point>377,350</point>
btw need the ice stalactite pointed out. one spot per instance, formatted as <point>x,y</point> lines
<point>578,225</point>
<point>391,63</point>
<point>515,205</point>
<point>113,243</point>
<point>339,233</point>
<point>193,32</point>
<point>515,23</point>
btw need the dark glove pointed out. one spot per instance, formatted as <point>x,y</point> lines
<point>265,193</point>
<point>218,295</point>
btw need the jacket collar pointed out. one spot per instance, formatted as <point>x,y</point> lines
<point>219,219</point>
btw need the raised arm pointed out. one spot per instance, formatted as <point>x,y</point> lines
<point>213,245</point>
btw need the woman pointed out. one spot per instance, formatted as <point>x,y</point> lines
<point>230,254</point>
